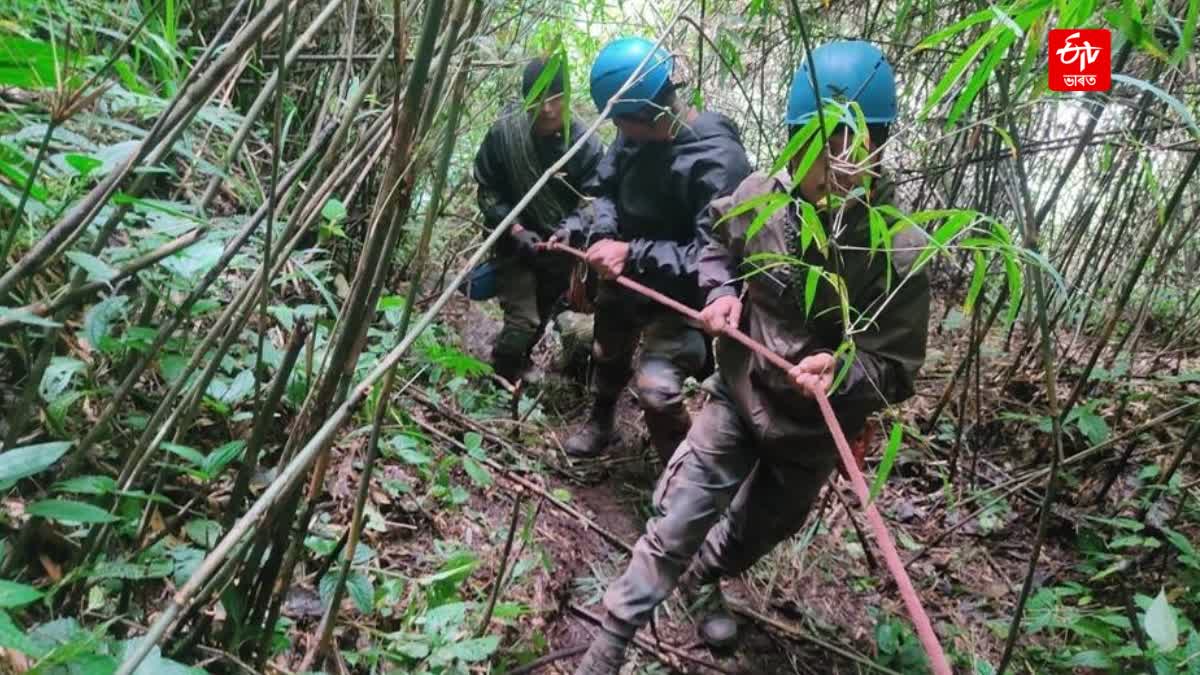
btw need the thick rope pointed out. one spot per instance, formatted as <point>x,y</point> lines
<point>912,602</point>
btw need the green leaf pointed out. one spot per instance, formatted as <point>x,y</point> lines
<point>1160,623</point>
<point>889,458</point>
<point>70,512</point>
<point>97,269</point>
<point>474,444</point>
<point>13,594</point>
<point>1091,659</point>
<point>1092,425</point>
<point>773,202</point>
<point>977,278</point>
<point>1012,273</point>
<point>956,69</point>
<point>477,472</point>
<point>112,569</point>
<point>25,317</point>
<point>980,77</point>
<point>100,317</point>
<point>942,236</point>
<point>1172,102</point>
<point>1188,37</point>
<point>811,280</point>
<point>58,376</point>
<point>190,454</point>
<point>87,485</point>
<point>473,650</point>
<point>218,459</point>
<point>30,459</point>
<point>443,617</point>
<point>83,164</point>
<point>334,210</point>
<point>982,16</point>
<point>203,532</point>
<point>553,64</point>
<point>12,637</point>
<point>361,591</point>
<point>28,64</point>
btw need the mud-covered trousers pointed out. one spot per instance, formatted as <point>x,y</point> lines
<point>671,351</point>
<point>726,497</point>
<point>528,291</point>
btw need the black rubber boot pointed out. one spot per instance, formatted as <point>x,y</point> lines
<point>605,656</point>
<point>716,626</point>
<point>593,437</point>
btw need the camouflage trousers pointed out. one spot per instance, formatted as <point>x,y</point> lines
<point>724,498</point>
<point>671,350</point>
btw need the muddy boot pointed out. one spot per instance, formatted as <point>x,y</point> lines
<point>667,431</point>
<point>605,656</point>
<point>593,437</point>
<point>701,588</point>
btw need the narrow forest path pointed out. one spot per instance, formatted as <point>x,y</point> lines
<point>822,584</point>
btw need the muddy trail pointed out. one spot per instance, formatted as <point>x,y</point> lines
<point>820,603</point>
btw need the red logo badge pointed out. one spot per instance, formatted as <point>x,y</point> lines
<point>1080,60</point>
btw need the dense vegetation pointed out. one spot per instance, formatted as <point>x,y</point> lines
<point>245,424</point>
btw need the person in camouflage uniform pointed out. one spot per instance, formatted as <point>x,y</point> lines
<point>518,148</point>
<point>759,452</point>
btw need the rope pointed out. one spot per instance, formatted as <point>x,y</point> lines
<point>523,166</point>
<point>912,602</point>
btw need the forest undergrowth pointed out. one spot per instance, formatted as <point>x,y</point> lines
<point>248,425</point>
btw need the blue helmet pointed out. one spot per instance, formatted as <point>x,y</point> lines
<point>616,62</point>
<point>846,71</point>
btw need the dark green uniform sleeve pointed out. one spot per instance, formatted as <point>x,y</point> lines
<point>892,350</point>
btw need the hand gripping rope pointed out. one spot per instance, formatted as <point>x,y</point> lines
<point>916,612</point>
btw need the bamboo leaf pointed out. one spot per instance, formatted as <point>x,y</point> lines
<point>942,236</point>
<point>979,78</point>
<point>22,316</point>
<point>87,485</point>
<point>13,594</point>
<point>28,460</point>
<point>977,277</point>
<point>810,288</point>
<point>748,205</point>
<point>191,455</point>
<point>778,200</point>
<point>1188,35</point>
<point>70,512</point>
<point>982,16</point>
<point>889,458</point>
<point>810,225</point>
<point>1007,22</point>
<point>1172,102</point>
<point>956,69</point>
<point>1013,272</point>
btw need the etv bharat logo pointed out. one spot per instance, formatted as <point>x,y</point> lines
<point>1080,60</point>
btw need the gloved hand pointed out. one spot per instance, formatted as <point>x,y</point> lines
<point>525,241</point>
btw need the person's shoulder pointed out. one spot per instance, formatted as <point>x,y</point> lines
<point>753,186</point>
<point>759,183</point>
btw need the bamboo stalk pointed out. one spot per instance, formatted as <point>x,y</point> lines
<point>325,433</point>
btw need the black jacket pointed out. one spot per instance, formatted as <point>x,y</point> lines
<point>655,196</point>
<point>497,195</point>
